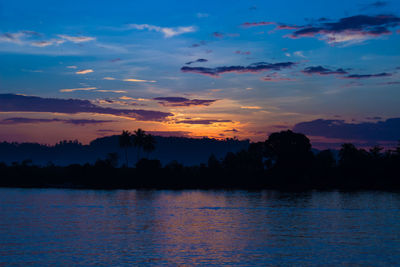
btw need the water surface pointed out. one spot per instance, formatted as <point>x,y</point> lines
<point>129,227</point>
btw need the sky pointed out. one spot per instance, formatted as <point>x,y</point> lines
<point>217,69</point>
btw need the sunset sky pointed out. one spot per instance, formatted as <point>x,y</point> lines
<point>86,69</point>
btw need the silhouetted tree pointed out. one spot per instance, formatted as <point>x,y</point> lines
<point>290,152</point>
<point>138,141</point>
<point>125,142</point>
<point>149,144</point>
<point>112,159</point>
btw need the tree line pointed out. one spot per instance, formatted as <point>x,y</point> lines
<point>284,161</point>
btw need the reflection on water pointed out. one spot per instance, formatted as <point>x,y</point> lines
<point>66,227</point>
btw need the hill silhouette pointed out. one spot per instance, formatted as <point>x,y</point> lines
<point>187,151</point>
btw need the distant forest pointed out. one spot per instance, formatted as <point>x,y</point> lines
<point>284,161</point>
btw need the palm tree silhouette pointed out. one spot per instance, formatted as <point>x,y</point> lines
<point>139,140</point>
<point>125,141</point>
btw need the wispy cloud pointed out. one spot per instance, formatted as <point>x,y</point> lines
<point>182,101</point>
<point>109,78</point>
<point>77,89</point>
<point>94,89</point>
<point>200,60</point>
<point>166,31</point>
<point>86,71</point>
<point>204,122</point>
<point>139,81</point>
<point>250,107</point>
<point>275,77</point>
<point>77,39</point>
<point>202,15</point>
<point>252,68</point>
<point>47,43</point>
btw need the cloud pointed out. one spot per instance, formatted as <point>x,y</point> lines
<point>47,43</point>
<point>366,76</point>
<point>170,133</point>
<point>299,54</point>
<point>33,38</point>
<point>200,60</point>
<point>242,52</point>
<point>112,91</point>
<point>139,81</point>
<point>218,34</point>
<point>82,122</point>
<point>232,130</point>
<point>205,122</point>
<point>20,103</point>
<point>76,39</point>
<point>391,83</point>
<point>78,89</point>
<point>322,71</point>
<point>131,98</point>
<point>166,31</point>
<point>388,130</point>
<point>252,68</point>
<point>275,77</point>
<point>222,35</point>
<point>202,15</point>
<point>84,71</point>
<point>349,30</point>
<point>256,24</point>
<point>199,44</point>
<point>15,38</point>
<point>182,102</point>
<point>251,107</point>
<point>377,4</point>
<point>71,67</point>
<point>109,78</point>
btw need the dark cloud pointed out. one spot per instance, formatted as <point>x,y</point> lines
<point>183,102</point>
<point>170,133</point>
<point>218,34</point>
<point>20,120</point>
<point>377,4</point>
<point>255,24</point>
<point>275,77</point>
<point>12,102</point>
<point>222,35</point>
<point>388,130</point>
<point>354,28</point>
<point>366,76</point>
<point>199,44</point>
<point>322,71</point>
<point>200,60</point>
<point>206,122</point>
<point>232,130</point>
<point>115,60</point>
<point>278,26</point>
<point>252,68</point>
<point>239,52</point>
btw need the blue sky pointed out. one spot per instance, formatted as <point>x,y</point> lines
<point>264,66</point>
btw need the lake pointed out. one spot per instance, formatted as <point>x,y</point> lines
<point>130,227</point>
